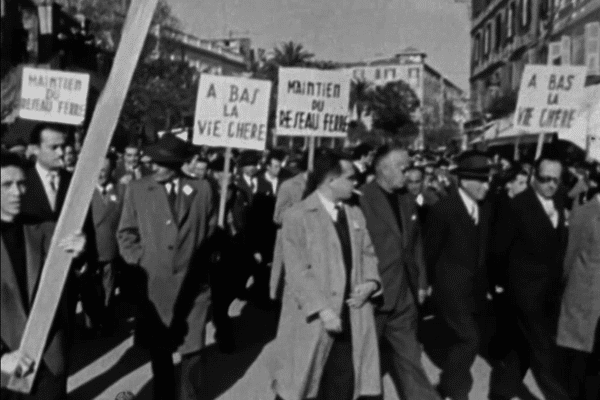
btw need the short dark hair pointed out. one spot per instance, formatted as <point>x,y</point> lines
<point>8,159</point>
<point>274,155</point>
<point>361,150</point>
<point>326,163</point>
<point>35,138</point>
<point>383,151</point>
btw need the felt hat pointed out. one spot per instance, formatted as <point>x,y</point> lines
<point>247,158</point>
<point>472,164</point>
<point>169,149</point>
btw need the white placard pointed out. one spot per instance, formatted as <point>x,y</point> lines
<point>312,102</point>
<point>54,96</point>
<point>549,98</point>
<point>232,112</point>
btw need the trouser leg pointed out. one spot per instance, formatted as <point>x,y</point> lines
<point>190,377</point>
<point>337,381</point>
<point>163,372</point>
<point>399,330</point>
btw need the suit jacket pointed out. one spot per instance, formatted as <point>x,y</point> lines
<point>14,312</point>
<point>120,171</point>
<point>35,201</point>
<point>242,204</point>
<point>316,280</point>
<point>105,214</point>
<point>171,253</point>
<point>580,308</point>
<point>456,253</point>
<point>290,193</point>
<point>261,218</point>
<point>534,250</point>
<point>400,251</point>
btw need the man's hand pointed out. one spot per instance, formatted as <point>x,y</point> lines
<point>361,293</point>
<point>424,294</point>
<point>16,364</point>
<point>125,179</point>
<point>258,258</point>
<point>331,321</point>
<point>74,244</point>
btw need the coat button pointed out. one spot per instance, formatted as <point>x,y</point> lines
<point>168,222</point>
<point>334,293</point>
<point>170,247</point>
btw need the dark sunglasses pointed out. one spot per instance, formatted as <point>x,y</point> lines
<point>547,179</point>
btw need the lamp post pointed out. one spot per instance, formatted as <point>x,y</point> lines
<point>46,18</point>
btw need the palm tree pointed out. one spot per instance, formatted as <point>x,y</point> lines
<point>360,97</point>
<point>291,54</point>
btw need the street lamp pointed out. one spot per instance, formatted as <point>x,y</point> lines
<point>45,11</point>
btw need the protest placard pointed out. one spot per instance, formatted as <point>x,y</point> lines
<point>54,96</point>
<point>549,98</point>
<point>312,102</point>
<point>232,112</point>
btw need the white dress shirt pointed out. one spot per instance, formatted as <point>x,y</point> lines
<point>470,204</point>
<point>330,206</point>
<point>172,185</point>
<point>49,179</point>
<point>273,181</point>
<point>548,205</point>
<point>250,182</point>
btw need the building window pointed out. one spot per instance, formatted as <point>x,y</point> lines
<point>498,36</point>
<point>487,38</point>
<point>510,21</point>
<point>525,14</point>
<point>476,48</point>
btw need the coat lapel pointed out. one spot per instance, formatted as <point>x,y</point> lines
<point>539,213</point>
<point>384,209</point>
<point>159,198</point>
<point>34,250</point>
<point>187,192</point>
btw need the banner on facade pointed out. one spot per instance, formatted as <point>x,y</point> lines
<point>312,102</point>
<point>54,96</point>
<point>592,47</point>
<point>232,112</point>
<point>549,98</point>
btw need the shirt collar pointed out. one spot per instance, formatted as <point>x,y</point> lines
<point>329,206</point>
<point>469,202</point>
<point>109,186</point>
<point>174,181</point>
<point>548,204</point>
<point>361,168</point>
<point>43,172</point>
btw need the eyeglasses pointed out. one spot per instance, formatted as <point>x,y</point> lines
<point>547,179</point>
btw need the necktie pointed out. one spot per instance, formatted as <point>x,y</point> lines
<point>172,197</point>
<point>553,215</point>
<point>53,185</point>
<point>474,215</point>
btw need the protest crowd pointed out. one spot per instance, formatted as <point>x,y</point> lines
<point>359,254</point>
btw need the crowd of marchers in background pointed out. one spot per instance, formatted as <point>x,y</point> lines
<point>357,253</point>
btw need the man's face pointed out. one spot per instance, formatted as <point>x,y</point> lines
<point>517,185</point>
<point>51,149</point>
<point>414,182</point>
<point>131,158</point>
<point>547,178</point>
<point>274,168</point>
<point>368,159</point>
<point>105,173</point>
<point>12,189</point>
<point>392,168</point>
<point>343,185</point>
<point>164,173</point>
<point>476,189</point>
<point>69,156</point>
<point>249,170</point>
<point>201,169</point>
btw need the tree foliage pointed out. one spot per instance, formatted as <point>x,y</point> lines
<point>392,106</point>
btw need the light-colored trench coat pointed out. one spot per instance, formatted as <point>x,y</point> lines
<point>315,280</point>
<point>580,308</point>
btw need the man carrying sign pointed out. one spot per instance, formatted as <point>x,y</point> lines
<point>22,260</point>
<point>166,221</point>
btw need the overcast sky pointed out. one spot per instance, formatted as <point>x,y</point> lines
<point>342,30</point>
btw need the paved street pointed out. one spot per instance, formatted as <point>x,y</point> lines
<point>101,368</point>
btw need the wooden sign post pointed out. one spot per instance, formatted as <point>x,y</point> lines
<point>102,126</point>
<point>224,184</point>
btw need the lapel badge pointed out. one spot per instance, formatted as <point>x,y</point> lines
<point>113,197</point>
<point>187,189</point>
<point>355,224</point>
<point>413,217</point>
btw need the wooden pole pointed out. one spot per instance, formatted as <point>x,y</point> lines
<point>540,145</point>
<point>104,121</point>
<point>311,152</point>
<point>224,187</point>
<point>516,151</point>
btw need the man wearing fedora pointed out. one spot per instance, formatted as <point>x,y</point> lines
<point>166,221</point>
<point>456,246</point>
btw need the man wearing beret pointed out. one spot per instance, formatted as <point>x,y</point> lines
<point>456,246</point>
<point>166,221</point>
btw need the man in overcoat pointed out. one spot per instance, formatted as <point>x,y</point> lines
<point>578,325</point>
<point>394,227</point>
<point>326,344</point>
<point>456,248</point>
<point>24,244</point>
<point>166,220</point>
